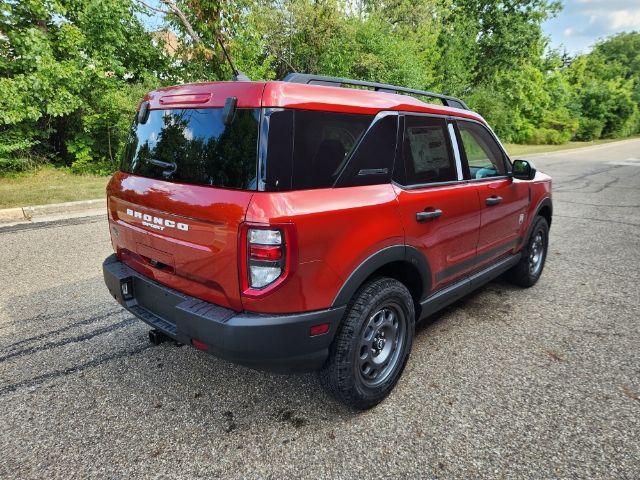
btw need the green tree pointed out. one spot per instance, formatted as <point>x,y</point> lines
<point>71,72</point>
<point>606,82</point>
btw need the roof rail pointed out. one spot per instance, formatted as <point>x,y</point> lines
<point>378,87</point>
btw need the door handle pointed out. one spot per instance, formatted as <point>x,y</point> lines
<point>495,200</point>
<point>428,215</point>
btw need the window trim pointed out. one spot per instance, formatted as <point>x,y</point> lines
<point>419,186</point>
<point>456,149</point>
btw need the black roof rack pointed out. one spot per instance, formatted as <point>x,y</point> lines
<point>378,87</point>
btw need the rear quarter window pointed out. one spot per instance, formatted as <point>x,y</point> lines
<point>309,149</point>
<point>373,160</point>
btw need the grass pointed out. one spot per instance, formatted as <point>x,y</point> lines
<point>56,185</point>
<point>49,185</point>
<point>515,150</point>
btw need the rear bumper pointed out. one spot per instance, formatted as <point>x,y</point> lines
<point>266,342</point>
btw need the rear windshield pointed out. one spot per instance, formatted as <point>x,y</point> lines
<point>195,146</point>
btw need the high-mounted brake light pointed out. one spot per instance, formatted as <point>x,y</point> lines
<point>268,256</point>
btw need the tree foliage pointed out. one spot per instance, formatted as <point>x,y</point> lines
<point>72,71</point>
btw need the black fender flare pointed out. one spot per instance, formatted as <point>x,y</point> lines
<point>545,202</point>
<point>378,260</point>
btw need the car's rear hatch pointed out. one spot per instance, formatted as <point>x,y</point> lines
<point>183,189</point>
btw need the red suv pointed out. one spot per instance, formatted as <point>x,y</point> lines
<point>298,224</point>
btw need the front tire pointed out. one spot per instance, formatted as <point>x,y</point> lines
<point>372,344</point>
<point>534,254</point>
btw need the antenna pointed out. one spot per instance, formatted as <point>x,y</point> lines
<point>238,76</point>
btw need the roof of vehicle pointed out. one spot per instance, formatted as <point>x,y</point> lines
<point>279,94</point>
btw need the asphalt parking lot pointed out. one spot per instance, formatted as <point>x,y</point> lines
<point>534,383</point>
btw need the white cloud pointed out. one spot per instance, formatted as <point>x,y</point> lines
<point>568,32</point>
<point>624,19</point>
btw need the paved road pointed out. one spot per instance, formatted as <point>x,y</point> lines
<point>542,382</point>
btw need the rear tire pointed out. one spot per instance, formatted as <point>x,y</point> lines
<point>534,254</point>
<point>372,344</point>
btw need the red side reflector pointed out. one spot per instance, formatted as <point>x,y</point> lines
<point>199,345</point>
<point>265,252</point>
<point>319,329</point>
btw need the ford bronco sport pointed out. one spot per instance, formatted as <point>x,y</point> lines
<point>301,225</point>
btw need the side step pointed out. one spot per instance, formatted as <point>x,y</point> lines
<point>454,292</point>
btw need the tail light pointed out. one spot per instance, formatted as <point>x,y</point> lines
<point>268,257</point>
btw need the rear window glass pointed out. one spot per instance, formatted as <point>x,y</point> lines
<point>309,149</point>
<point>195,146</point>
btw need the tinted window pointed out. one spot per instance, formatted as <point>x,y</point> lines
<point>322,142</point>
<point>194,146</point>
<point>426,151</point>
<point>277,150</point>
<point>484,155</point>
<point>305,149</point>
<point>372,161</point>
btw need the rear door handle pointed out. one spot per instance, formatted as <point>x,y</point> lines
<point>493,201</point>
<point>428,215</point>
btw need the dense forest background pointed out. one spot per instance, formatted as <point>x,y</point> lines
<point>73,71</point>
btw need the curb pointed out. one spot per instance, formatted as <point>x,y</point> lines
<point>11,215</point>
<point>34,212</point>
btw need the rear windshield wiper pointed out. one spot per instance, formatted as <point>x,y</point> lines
<point>168,168</point>
<point>161,164</point>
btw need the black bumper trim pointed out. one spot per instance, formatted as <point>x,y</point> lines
<point>262,341</point>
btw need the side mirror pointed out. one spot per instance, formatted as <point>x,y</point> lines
<point>523,170</point>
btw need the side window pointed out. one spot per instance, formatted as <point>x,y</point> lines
<point>322,142</point>
<point>372,162</point>
<point>426,151</point>
<point>484,156</point>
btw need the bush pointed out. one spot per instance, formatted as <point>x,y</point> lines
<point>17,153</point>
<point>590,129</point>
<point>545,136</point>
